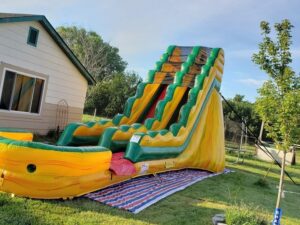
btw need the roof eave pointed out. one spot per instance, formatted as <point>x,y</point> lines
<point>56,37</point>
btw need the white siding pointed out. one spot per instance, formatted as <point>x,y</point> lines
<point>65,81</point>
<point>39,123</point>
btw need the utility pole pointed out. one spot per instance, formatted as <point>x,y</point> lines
<point>278,211</point>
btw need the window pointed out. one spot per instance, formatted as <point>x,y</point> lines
<point>32,36</point>
<point>21,93</point>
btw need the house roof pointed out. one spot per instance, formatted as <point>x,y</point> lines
<point>11,17</point>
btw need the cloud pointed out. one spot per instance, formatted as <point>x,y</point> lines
<point>251,82</point>
<point>138,26</point>
<point>142,30</point>
<point>152,25</point>
<point>35,6</point>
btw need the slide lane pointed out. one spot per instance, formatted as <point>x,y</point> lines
<point>79,134</point>
<point>163,112</point>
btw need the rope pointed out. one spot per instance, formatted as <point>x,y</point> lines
<point>260,144</point>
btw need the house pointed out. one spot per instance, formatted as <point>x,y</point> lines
<point>42,84</point>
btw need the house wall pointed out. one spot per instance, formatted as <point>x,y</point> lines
<point>47,60</point>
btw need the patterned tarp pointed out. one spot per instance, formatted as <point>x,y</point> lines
<point>141,192</point>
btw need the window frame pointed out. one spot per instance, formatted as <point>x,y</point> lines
<point>5,69</point>
<point>37,36</point>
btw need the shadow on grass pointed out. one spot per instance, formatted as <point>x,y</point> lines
<point>17,211</point>
<point>194,205</point>
<point>190,206</point>
<point>176,209</point>
<point>264,166</point>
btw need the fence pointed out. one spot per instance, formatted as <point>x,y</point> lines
<point>238,140</point>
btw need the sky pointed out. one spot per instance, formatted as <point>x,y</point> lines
<point>143,29</point>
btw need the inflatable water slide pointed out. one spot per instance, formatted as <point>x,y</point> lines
<point>174,121</point>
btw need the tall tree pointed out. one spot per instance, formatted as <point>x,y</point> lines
<point>100,58</point>
<point>109,96</point>
<point>278,103</point>
<point>245,109</point>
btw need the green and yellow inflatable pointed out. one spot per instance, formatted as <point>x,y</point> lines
<point>174,121</point>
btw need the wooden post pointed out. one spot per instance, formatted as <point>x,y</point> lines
<point>95,113</point>
<point>241,142</point>
<point>261,131</point>
<point>281,180</point>
<point>278,211</point>
<point>294,155</point>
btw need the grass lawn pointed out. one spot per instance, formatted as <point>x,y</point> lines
<point>87,118</point>
<point>195,205</point>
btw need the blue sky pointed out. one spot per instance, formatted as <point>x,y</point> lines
<point>143,29</point>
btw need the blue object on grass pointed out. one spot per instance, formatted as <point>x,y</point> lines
<point>277,216</point>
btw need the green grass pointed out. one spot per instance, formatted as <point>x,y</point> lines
<point>231,146</point>
<point>246,215</point>
<point>87,118</point>
<point>195,205</point>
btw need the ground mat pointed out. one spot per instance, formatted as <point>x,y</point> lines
<point>141,192</point>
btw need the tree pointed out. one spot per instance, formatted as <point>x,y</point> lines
<point>278,103</point>
<point>103,61</point>
<point>100,58</point>
<point>109,96</point>
<point>246,111</point>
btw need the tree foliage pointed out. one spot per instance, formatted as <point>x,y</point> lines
<point>100,58</point>
<point>109,96</point>
<point>105,64</point>
<point>246,111</point>
<point>278,103</point>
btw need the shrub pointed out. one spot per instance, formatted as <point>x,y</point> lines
<point>245,215</point>
<point>109,96</point>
